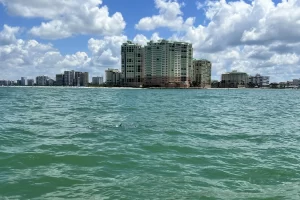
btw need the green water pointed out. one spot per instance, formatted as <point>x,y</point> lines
<point>59,143</point>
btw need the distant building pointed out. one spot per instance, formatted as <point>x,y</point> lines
<point>168,64</point>
<point>19,82</point>
<point>113,77</point>
<point>84,79</point>
<point>97,80</point>
<point>30,82</point>
<point>132,64</point>
<point>23,81</point>
<point>69,78</point>
<point>41,80</point>
<point>234,79</point>
<point>296,82</point>
<point>3,83</point>
<point>50,82</point>
<point>259,81</point>
<point>59,80</point>
<point>77,78</point>
<point>201,76</point>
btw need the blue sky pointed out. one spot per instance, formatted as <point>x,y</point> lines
<point>46,37</point>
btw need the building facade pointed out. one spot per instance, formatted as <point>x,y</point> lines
<point>234,79</point>
<point>30,82</point>
<point>259,81</point>
<point>132,64</point>
<point>201,76</point>
<point>97,80</point>
<point>69,78</point>
<point>113,77</point>
<point>168,64</point>
<point>59,80</point>
<point>23,81</point>
<point>84,79</point>
<point>41,80</point>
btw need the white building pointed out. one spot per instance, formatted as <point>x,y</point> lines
<point>23,81</point>
<point>132,64</point>
<point>69,78</point>
<point>201,73</point>
<point>97,80</point>
<point>259,81</point>
<point>113,77</point>
<point>168,64</point>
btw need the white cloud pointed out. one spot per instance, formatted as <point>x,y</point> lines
<point>7,35</point>
<point>170,16</point>
<point>67,18</point>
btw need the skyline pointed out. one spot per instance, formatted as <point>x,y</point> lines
<point>260,36</point>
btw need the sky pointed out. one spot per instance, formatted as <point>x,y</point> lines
<point>42,37</point>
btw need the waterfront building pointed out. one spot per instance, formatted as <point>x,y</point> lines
<point>69,78</point>
<point>296,82</point>
<point>77,78</point>
<point>168,64</point>
<point>41,80</point>
<point>50,82</point>
<point>59,80</point>
<point>3,83</point>
<point>201,73</point>
<point>132,64</point>
<point>23,81</point>
<point>259,81</point>
<point>19,82</point>
<point>84,79</point>
<point>97,80</point>
<point>234,79</point>
<point>113,77</point>
<point>30,82</point>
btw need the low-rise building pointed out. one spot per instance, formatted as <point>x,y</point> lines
<point>259,81</point>
<point>234,79</point>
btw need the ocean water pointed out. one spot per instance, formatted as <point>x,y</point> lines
<point>60,143</point>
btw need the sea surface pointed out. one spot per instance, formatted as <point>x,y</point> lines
<point>91,143</point>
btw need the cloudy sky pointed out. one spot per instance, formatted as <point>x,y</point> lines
<point>42,37</point>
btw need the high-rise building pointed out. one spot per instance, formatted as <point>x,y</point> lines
<point>132,64</point>
<point>77,78</point>
<point>69,78</point>
<point>97,80</point>
<point>59,80</point>
<point>23,81</point>
<point>84,79</point>
<point>113,77</point>
<point>30,82</point>
<point>41,80</point>
<point>259,81</point>
<point>234,79</point>
<point>201,73</point>
<point>168,64</point>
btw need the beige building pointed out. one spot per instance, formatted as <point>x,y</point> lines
<point>168,64</point>
<point>132,64</point>
<point>201,73</point>
<point>113,77</point>
<point>234,79</point>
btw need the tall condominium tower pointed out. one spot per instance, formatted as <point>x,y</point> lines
<point>202,73</point>
<point>168,64</point>
<point>132,64</point>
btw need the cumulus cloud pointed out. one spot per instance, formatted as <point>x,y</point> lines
<point>169,16</point>
<point>67,18</point>
<point>7,35</point>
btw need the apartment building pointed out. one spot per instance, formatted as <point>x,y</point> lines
<point>113,77</point>
<point>132,64</point>
<point>201,76</point>
<point>168,64</point>
<point>259,81</point>
<point>234,79</point>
